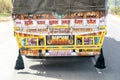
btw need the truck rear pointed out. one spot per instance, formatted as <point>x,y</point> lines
<point>50,28</point>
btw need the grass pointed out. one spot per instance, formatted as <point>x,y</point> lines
<point>5,14</point>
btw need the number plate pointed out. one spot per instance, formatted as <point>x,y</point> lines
<point>59,52</point>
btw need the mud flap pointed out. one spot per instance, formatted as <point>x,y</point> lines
<point>100,63</point>
<point>19,62</point>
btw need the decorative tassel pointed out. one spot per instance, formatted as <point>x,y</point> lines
<point>100,63</point>
<point>19,62</point>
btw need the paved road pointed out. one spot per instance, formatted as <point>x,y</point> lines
<point>57,69</point>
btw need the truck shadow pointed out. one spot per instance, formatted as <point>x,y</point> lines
<point>63,68</point>
<point>73,68</point>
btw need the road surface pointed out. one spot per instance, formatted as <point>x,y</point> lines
<point>57,69</point>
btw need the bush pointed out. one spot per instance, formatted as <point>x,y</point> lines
<point>5,6</point>
<point>115,11</point>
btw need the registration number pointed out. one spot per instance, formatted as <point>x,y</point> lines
<point>59,53</point>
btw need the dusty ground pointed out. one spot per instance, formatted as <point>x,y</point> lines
<point>4,19</point>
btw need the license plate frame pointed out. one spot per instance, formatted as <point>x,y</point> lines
<point>59,53</point>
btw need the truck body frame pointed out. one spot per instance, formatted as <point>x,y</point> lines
<point>45,28</point>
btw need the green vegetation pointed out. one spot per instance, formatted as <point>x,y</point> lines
<point>5,14</point>
<point>5,8</point>
<point>114,6</point>
<point>115,11</point>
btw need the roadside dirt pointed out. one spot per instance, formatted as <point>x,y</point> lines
<point>5,19</point>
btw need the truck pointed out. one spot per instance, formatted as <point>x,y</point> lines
<point>57,28</point>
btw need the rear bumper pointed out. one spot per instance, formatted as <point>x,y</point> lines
<point>55,57</point>
<point>58,53</point>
